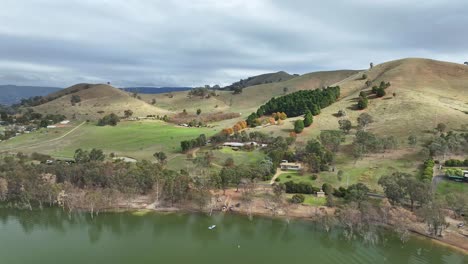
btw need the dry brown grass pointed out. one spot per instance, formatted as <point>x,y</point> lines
<point>97,101</point>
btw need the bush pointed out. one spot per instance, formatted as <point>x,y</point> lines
<point>456,163</point>
<point>313,177</point>
<point>297,198</point>
<point>362,103</point>
<point>301,187</point>
<point>289,176</point>
<point>428,172</point>
<point>298,126</point>
<point>110,120</point>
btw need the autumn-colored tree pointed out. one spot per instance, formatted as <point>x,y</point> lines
<point>237,128</point>
<point>272,121</point>
<point>228,131</point>
<point>282,116</point>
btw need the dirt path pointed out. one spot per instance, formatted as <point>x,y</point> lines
<point>48,141</point>
<point>277,174</point>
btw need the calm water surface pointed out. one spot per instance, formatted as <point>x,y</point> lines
<point>50,236</point>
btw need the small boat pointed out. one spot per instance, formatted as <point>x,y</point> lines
<point>212,227</point>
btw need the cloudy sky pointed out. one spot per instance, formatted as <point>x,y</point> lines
<point>190,43</point>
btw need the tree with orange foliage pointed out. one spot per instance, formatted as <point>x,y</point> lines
<point>228,131</point>
<point>237,128</point>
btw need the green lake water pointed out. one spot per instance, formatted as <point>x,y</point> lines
<point>50,237</point>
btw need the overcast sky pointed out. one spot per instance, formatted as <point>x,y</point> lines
<point>191,43</point>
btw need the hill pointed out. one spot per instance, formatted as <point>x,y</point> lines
<point>97,100</point>
<point>155,90</point>
<point>261,79</point>
<point>251,97</point>
<point>427,92</point>
<point>11,94</point>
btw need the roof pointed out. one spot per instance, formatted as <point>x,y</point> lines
<point>290,164</point>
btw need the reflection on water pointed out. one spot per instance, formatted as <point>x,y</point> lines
<point>53,236</point>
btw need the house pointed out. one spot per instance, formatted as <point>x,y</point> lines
<point>233,144</point>
<point>51,126</point>
<point>290,166</point>
<point>65,122</point>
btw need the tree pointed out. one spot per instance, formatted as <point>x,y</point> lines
<point>364,120</point>
<point>308,119</point>
<point>226,176</point>
<point>298,198</point>
<point>111,119</point>
<point>298,126</point>
<point>380,92</point>
<point>153,101</point>
<point>457,202</point>
<point>362,103</point>
<point>434,216</point>
<point>229,162</point>
<point>357,193</point>
<point>368,83</point>
<point>364,76</point>
<point>161,157</point>
<point>96,155</point>
<point>331,139</point>
<point>441,127</point>
<point>75,99</point>
<point>285,90</point>
<point>342,113</point>
<point>412,140</point>
<point>345,125</point>
<point>199,111</point>
<point>128,113</point>
<point>393,186</point>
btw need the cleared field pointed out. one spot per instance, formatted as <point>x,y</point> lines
<point>132,139</point>
<point>240,157</point>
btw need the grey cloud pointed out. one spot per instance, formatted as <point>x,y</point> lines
<point>53,42</point>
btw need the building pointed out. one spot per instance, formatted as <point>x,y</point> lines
<point>65,122</point>
<point>290,166</point>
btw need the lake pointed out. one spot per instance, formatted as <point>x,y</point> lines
<point>51,236</point>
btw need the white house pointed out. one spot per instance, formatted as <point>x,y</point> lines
<point>65,122</point>
<point>290,166</point>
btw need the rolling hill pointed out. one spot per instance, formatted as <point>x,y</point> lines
<point>155,90</point>
<point>11,94</point>
<point>251,97</point>
<point>261,79</point>
<point>427,92</point>
<point>96,101</point>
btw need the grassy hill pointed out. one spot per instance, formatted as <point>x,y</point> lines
<point>96,101</point>
<point>261,79</point>
<point>251,97</point>
<point>11,94</point>
<point>427,92</point>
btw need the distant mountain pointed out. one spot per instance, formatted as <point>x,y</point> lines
<point>11,94</point>
<point>155,90</point>
<point>274,77</point>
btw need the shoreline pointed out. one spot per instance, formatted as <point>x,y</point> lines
<point>413,232</point>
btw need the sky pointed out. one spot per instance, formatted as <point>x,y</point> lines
<point>197,42</point>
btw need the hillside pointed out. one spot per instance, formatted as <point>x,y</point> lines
<point>427,92</point>
<point>96,101</point>
<point>155,90</point>
<point>251,97</point>
<point>11,94</point>
<point>261,79</point>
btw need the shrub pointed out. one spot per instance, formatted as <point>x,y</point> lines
<point>297,198</point>
<point>298,126</point>
<point>362,103</point>
<point>456,163</point>
<point>289,176</point>
<point>110,120</point>
<point>313,177</point>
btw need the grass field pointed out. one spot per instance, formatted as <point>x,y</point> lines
<point>139,139</point>
<point>446,187</point>
<point>240,157</point>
